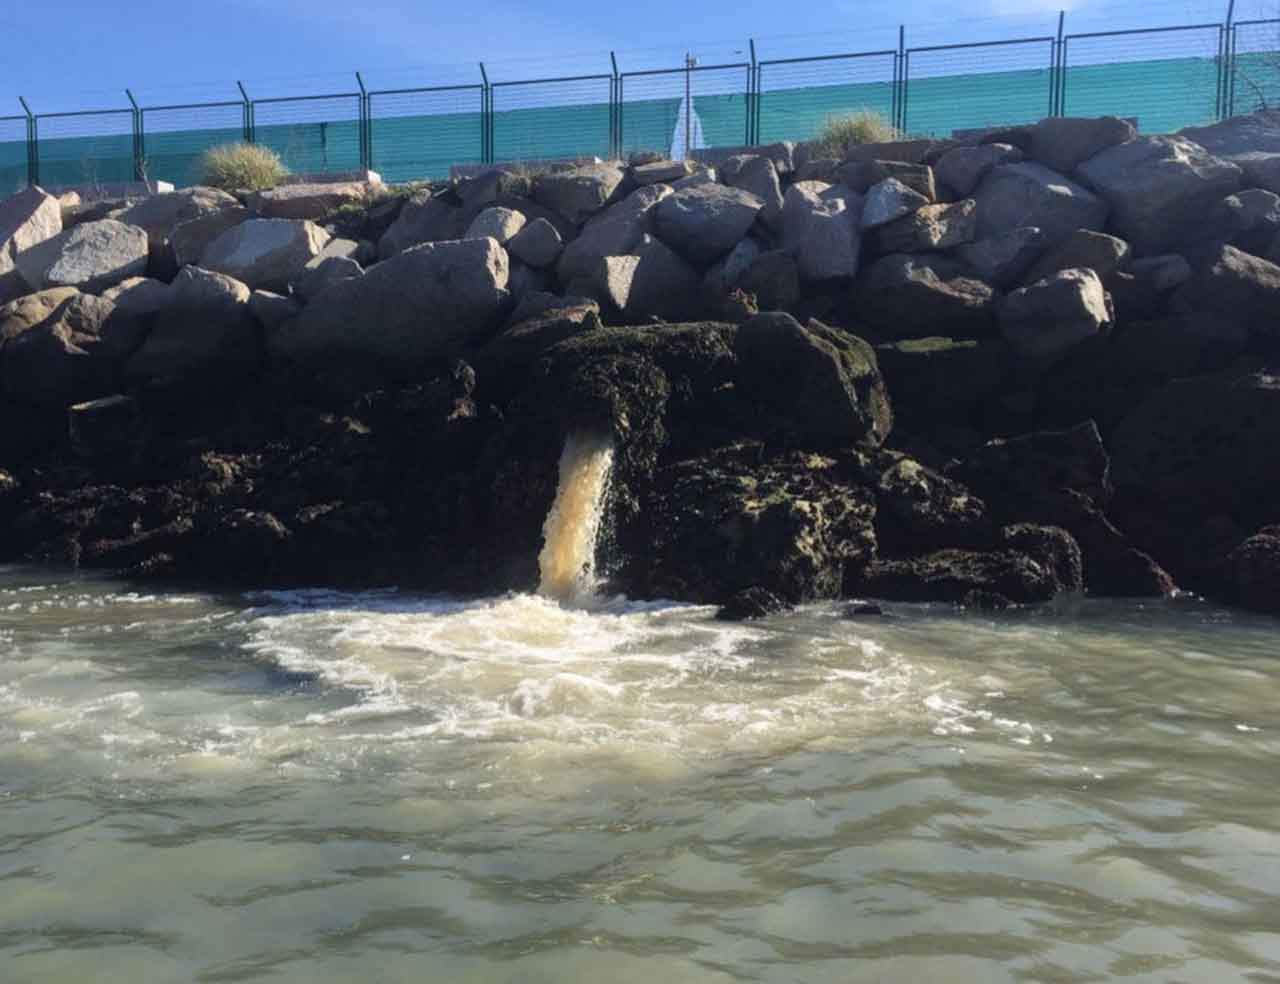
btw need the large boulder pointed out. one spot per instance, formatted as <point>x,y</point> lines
<point>1062,478</point>
<point>75,353</point>
<point>703,223</point>
<point>820,225</point>
<point>1249,219</point>
<point>661,172</point>
<point>204,328</point>
<point>756,174</point>
<point>1029,194</point>
<point>1063,143</point>
<point>160,214</point>
<point>189,238</point>
<point>537,244</point>
<point>27,218</point>
<point>580,192</point>
<point>1250,575</point>
<point>936,380</point>
<point>266,253</point>
<point>1158,188</point>
<point>1044,321</point>
<point>821,384</point>
<point>773,279</point>
<point>1002,260</point>
<point>26,312</point>
<point>961,168</point>
<point>421,305</point>
<point>496,222</point>
<point>1237,286</point>
<point>1205,445</point>
<point>920,510</point>
<point>888,200</point>
<point>91,257</point>
<point>614,232</point>
<point>650,281</point>
<point>1105,378</point>
<point>930,228</point>
<point>423,219</point>
<point>725,523</point>
<point>138,295</point>
<point>973,578</point>
<point>1083,249</point>
<point>915,296</point>
<point>862,175</point>
<point>309,201</point>
<point>1239,136</point>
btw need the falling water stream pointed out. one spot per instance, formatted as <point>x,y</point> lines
<point>315,786</point>
<point>567,562</point>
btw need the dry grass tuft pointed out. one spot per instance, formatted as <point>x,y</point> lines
<point>842,132</point>
<point>242,167</point>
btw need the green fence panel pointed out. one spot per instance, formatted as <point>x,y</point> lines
<point>964,87</point>
<point>13,154</point>
<point>174,138</point>
<point>1254,82</point>
<point>799,96</point>
<point>312,134</point>
<point>1175,85</point>
<point>85,149</point>
<point>418,134</point>
<point>552,119</point>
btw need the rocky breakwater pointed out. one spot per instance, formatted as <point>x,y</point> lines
<point>984,372</point>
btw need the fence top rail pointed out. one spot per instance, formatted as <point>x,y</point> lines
<point>208,105</point>
<point>825,58</point>
<point>981,44</point>
<point>1141,30</point>
<point>1256,22</point>
<point>473,86</point>
<point>84,112</point>
<point>287,99</point>
<point>562,78</point>
<point>681,71</point>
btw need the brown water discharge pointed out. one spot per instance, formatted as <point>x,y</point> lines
<point>567,561</point>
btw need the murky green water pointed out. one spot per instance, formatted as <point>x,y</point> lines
<point>316,787</point>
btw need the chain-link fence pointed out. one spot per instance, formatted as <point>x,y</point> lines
<point>1164,78</point>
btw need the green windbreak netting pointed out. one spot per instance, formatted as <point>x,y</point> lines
<point>1255,75</point>
<point>1176,85</point>
<point>649,124</point>
<point>549,120</point>
<point>979,86</point>
<point>798,96</point>
<point>419,135</point>
<point>312,136</point>
<point>13,154</point>
<point>176,137</point>
<point>86,148</point>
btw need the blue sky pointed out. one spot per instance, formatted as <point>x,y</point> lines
<point>63,55</point>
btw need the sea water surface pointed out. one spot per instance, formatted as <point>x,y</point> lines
<point>390,787</point>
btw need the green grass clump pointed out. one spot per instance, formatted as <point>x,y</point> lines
<point>842,132</point>
<point>242,167</point>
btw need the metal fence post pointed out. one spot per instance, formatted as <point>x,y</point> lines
<point>139,146</point>
<point>904,70</point>
<point>33,144</point>
<point>615,110</point>
<point>366,128</point>
<point>753,97</point>
<point>1057,71</point>
<point>248,113</point>
<point>1226,61</point>
<point>486,118</point>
